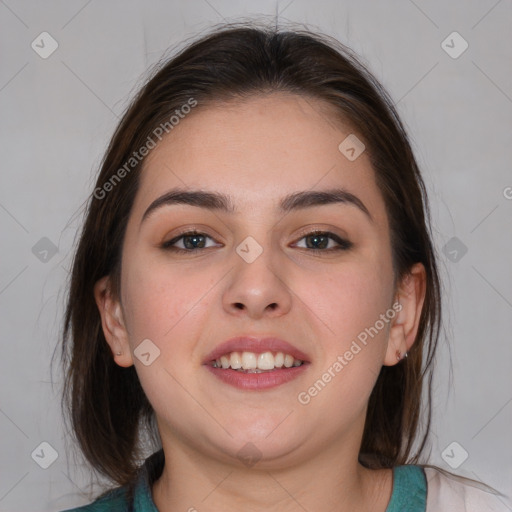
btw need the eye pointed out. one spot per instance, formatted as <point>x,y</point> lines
<point>324,241</point>
<point>188,242</point>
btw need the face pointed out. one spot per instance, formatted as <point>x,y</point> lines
<point>316,275</point>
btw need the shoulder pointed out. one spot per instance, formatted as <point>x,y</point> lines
<point>457,494</point>
<point>112,500</point>
<point>139,499</point>
<point>409,489</point>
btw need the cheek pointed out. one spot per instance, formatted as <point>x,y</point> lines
<point>161,299</point>
<point>348,299</point>
<point>350,303</point>
<point>167,305</point>
<point>353,352</point>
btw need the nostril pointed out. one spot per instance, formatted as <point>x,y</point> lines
<point>241,306</point>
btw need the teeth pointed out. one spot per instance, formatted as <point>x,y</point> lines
<point>236,361</point>
<point>266,361</point>
<point>288,361</point>
<point>252,363</point>
<point>249,361</point>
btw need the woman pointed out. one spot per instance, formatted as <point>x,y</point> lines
<point>256,286</point>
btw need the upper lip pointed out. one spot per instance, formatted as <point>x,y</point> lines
<point>255,344</point>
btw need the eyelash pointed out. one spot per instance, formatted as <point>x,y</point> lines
<point>343,245</point>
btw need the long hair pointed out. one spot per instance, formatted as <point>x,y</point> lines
<point>105,403</point>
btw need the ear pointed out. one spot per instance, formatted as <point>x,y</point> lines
<point>112,322</point>
<point>409,299</point>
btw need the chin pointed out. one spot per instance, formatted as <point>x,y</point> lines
<point>263,445</point>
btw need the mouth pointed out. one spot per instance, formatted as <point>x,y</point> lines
<point>256,363</point>
<point>252,362</point>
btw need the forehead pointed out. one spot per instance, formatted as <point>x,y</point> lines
<point>257,151</point>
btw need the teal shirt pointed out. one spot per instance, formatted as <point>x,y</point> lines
<point>409,490</point>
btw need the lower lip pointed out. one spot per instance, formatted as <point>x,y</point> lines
<point>257,381</point>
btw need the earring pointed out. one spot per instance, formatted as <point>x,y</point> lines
<point>118,353</point>
<point>399,355</point>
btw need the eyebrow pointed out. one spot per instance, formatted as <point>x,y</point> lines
<point>221,202</point>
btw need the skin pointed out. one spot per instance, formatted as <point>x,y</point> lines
<point>257,151</point>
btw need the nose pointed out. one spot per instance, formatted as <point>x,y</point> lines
<point>257,289</point>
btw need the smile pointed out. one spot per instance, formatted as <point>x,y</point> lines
<point>250,362</point>
<point>256,363</point>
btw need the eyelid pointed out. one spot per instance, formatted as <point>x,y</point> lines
<point>312,229</point>
<point>168,244</point>
<point>343,242</point>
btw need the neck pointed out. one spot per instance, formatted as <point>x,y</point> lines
<point>331,480</point>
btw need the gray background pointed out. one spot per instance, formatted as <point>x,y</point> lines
<point>58,114</point>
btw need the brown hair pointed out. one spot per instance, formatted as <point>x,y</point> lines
<point>105,402</point>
